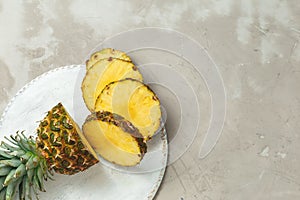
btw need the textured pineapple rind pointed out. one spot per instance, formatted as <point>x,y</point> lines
<point>125,79</point>
<point>107,53</point>
<point>60,144</point>
<point>125,125</point>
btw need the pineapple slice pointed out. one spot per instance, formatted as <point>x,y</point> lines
<point>134,101</point>
<point>106,53</point>
<point>114,138</point>
<point>62,143</point>
<point>102,73</point>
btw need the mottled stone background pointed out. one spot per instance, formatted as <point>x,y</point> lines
<point>255,43</point>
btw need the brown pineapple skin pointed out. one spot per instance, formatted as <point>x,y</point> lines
<point>60,144</point>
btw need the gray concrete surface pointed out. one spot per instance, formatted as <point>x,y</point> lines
<point>256,47</point>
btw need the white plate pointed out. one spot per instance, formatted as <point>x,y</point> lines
<point>102,181</point>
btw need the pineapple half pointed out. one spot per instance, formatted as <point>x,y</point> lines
<point>114,138</point>
<point>102,73</point>
<point>133,100</point>
<point>104,54</point>
<point>60,146</point>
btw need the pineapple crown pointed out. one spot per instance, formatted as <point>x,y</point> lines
<point>22,168</point>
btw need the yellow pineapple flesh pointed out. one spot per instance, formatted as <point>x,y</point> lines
<point>106,54</point>
<point>114,138</point>
<point>102,73</point>
<point>134,101</point>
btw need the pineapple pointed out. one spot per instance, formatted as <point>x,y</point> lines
<point>107,53</point>
<point>114,138</point>
<point>134,101</point>
<point>60,146</point>
<point>102,73</point>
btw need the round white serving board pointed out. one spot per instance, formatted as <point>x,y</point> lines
<point>102,181</point>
